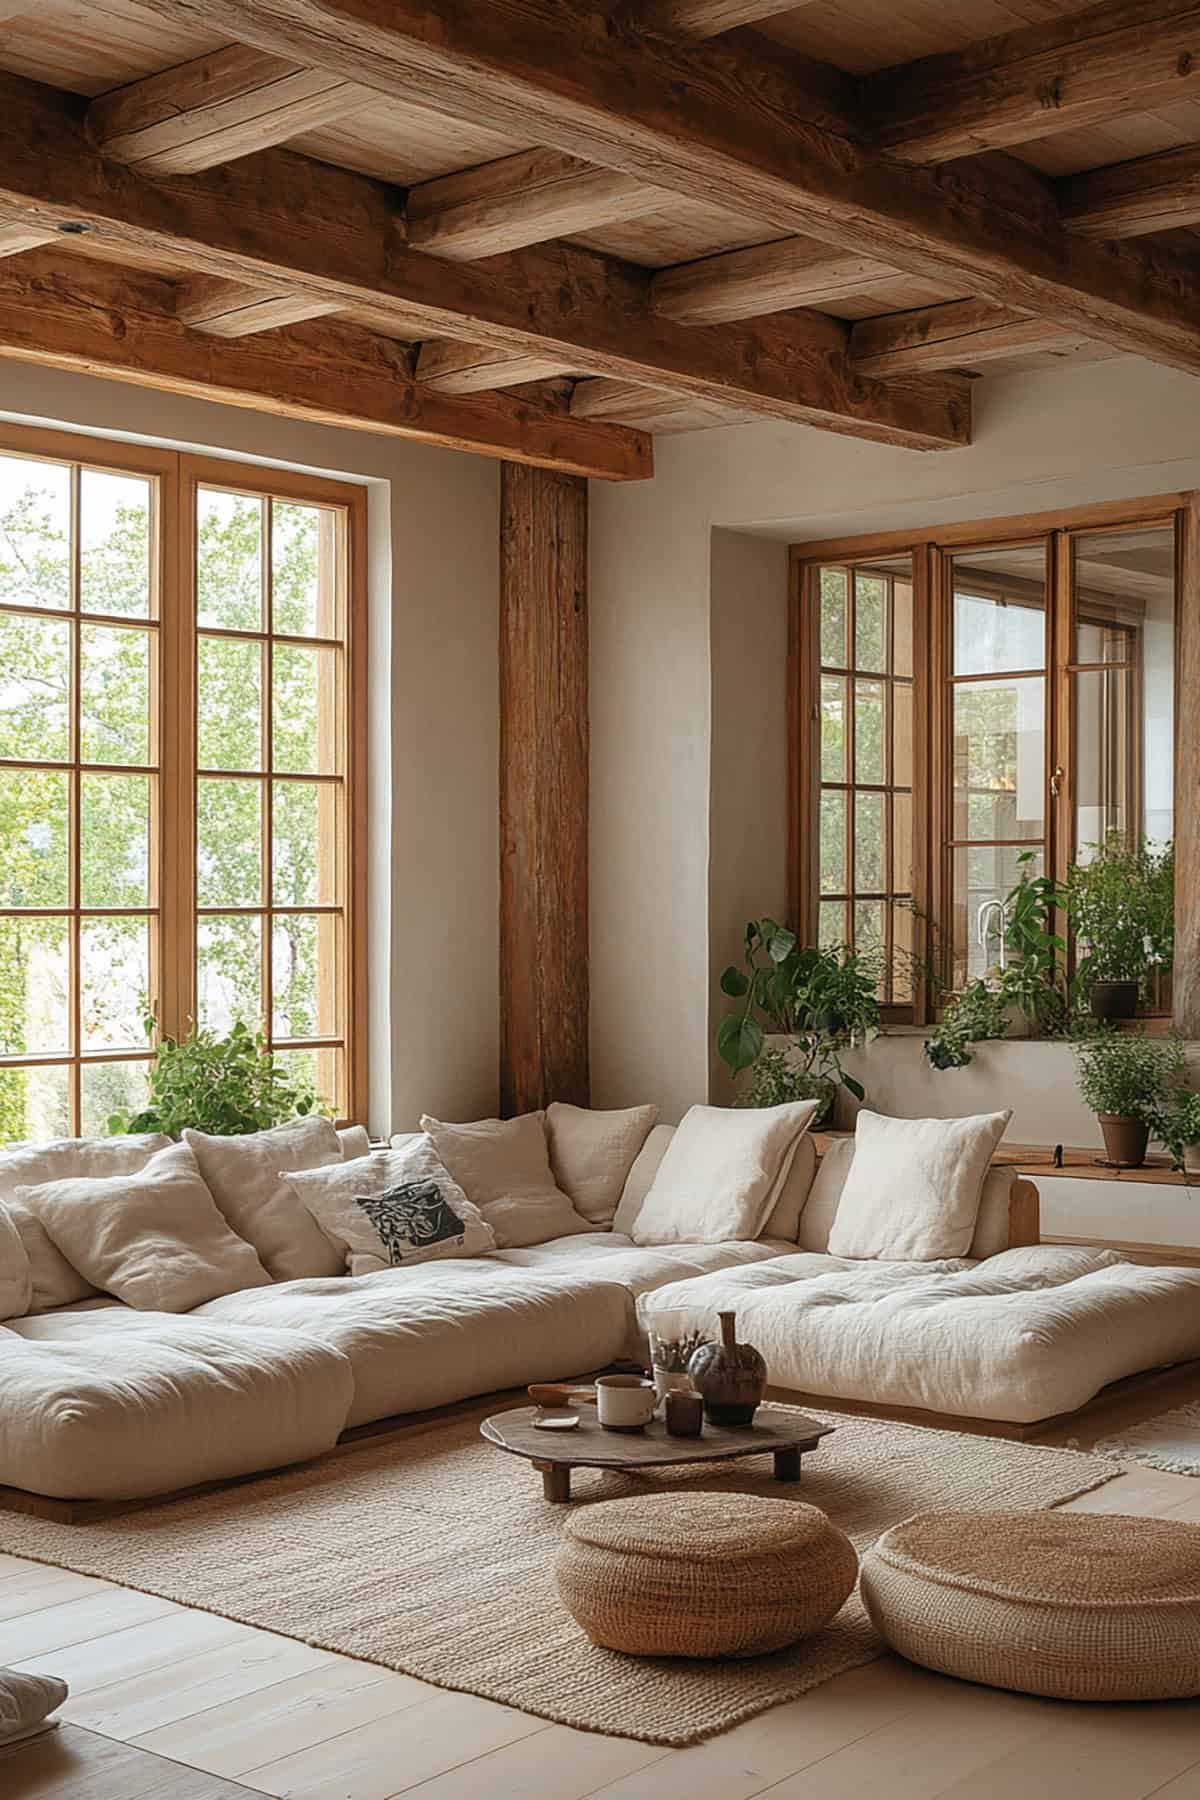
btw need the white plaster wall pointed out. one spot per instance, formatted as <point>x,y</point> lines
<point>434,718</point>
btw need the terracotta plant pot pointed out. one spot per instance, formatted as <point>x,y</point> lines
<point>1191,1159</point>
<point>730,1377</point>
<point>1113,999</point>
<point>1125,1140</point>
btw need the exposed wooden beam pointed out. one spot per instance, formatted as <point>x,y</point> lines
<point>16,238</point>
<point>1185,989</point>
<point>1129,199</point>
<point>1122,56</point>
<point>750,132</point>
<point>63,312</point>
<point>277,220</point>
<point>227,309</point>
<point>456,368</point>
<point>707,18</point>
<point>522,199</point>
<point>955,336</point>
<point>619,402</point>
<point>215,108</point>
<point>765,278</point>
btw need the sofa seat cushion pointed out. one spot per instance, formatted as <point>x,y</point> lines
<point>1023,1336</point>
<point>639,1267</point>
<point>97,1410</point>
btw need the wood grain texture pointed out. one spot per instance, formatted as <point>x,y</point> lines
<point>1129,199</point>
<point>956,335</point>
<point>707,18</point>
<point>523,199</point>
<point>456,368</point>
<point>750,130</point>
<point>14,239</point>
<point>627,402</point>
<point>74,1764</point>
<point>544,988</point>
<point>765,278</point>
<point>229,309</point>
<point>1186,973</point>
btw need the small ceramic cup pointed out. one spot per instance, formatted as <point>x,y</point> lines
<point>624,1402</point>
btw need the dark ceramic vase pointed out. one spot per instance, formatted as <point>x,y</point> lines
<point>730,1377</point>
<point>1113,999</point>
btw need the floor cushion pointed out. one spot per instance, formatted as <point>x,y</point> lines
<point>1073,1606</point>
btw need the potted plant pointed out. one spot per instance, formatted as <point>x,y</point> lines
<point>1177,1125</point>
<point>222,1085</point>
<point>1124,1077</point>
<point>1122,909</point>
<point>823,1001</point>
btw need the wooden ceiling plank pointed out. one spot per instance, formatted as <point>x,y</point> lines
<point>282,221</point>
<point>457,368</point>
<point>765,278</point>
<point>229,309</point>
<point>957,335</point>
<point>708,18</point>
<point>215,108</point>
<point>750,133</point>
<point>1119,57</point>
<point>14,239</point>
<point>618,401</point>
<point>1130,199</point>
<point>523,199</point>
<point>61,312</point>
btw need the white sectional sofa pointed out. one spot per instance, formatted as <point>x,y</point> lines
<point>102,1402</point>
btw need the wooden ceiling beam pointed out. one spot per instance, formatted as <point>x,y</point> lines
<point>620,401</point>
<point>17,238</point>
<point>455,368</point>
<point>230,310</point>
<point>523,199</point>
<point>1130,199</point>
<point>1122,56</point>
<point>707,18</point>
<point>63,312</point>
<point>215,108</point>
<point>277,220</point>
<point>960,334</point>
<point>765,278</point>
<point>751,132</point>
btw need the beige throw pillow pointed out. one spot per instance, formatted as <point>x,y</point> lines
<point>16,1277</point>
<point>722,1173</point>
<point>393,1208</point>
<point>153,1239</point>
<point>591,1154</point>
<point>243,1175</point>
<point>913,1188</point>
<point>503,1167</point>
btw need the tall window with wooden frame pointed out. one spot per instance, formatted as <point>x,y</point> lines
<point>180,786</point>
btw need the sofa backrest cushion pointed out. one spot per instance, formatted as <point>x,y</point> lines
<point>355,1141</point>
<point>720,1176</point>
<point>244,1175</point>
<point>591,1154</point>
<point>503,1167</point>
<point>913,1188</point>
<point>16,1276</point>
<point>816,1220</point>
<point>786,1214</point>
<point>392,1209</point>
<point>640,1177</point>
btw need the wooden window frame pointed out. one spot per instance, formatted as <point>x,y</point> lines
<point>932,553</point>
<point>175,477</point>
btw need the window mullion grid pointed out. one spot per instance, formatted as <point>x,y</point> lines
<point>848,912</point>
<point>889,771</point>
<point>268,763</point>
<point>76,839</point>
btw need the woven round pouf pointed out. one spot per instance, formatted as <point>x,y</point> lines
<point>702,1574</point>
<point>1075,1606</point>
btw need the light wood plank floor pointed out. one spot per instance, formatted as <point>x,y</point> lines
<point>267,1714</point>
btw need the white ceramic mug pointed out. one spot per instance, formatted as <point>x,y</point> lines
<point>624,1402</point>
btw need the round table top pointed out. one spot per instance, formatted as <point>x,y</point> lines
<point>589,1446</point>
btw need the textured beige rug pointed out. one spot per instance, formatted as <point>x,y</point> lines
<point>432,1553</point>
<point>1169,1440</point>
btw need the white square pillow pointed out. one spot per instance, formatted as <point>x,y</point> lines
<point>393,1208</point>
<point>154,1239</point>
<point>503,1167</point>
<point>913,1188</point>
<point>16,1276</point>
<point>722,1173</point>
<point>243,1174</point>
<point>591,1154</point>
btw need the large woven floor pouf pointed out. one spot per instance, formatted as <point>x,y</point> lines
<point>1075,1606</point>
<point>702,1574</point>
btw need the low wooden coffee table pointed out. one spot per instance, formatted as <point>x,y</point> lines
<point>778,1432</point>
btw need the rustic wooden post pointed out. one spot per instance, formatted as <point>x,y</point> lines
<point>543,788</point>
<point>1186,977</point>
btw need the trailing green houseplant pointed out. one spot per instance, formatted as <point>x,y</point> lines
<point>1122,910</point>
<point>1177,1126</point>
<point>1125,1078</point>
<point>222,1085</point>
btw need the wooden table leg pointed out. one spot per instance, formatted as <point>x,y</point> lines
<point>556,1481</point>
<point>787,1464</point>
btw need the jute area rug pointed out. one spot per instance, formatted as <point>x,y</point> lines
<point>1169,1441</point>
<point>432,1554</point>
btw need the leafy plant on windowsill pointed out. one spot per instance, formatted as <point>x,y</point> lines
<point>222,1085</point>
<point>1122,910</point>
<point>1176,1124</point>
<point>1127,1075</point>
<point>823,1000</point>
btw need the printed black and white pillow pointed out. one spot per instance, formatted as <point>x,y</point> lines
<point>392,1209</point>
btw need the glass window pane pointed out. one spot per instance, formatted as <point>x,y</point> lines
<point>35,986</point>
<point>902,734</point>
<point>833,842</point>
<point>903,957</point>
<point>319,1070</point>
<point>35,688</point>
<point>229,972</point>
<point>304,584</point>
<point>114,543</point>
<point>229,704</point>
<point>35,532</point>
<point>114,840</point>
<point>114,695</point>
<point>833,728</point>
<point>831,924</point>
<point>114,983</point>
<point>1096,642</point>
<point>833,618</point>
<point>306,828</point>
<point>108,1088</point>
<point>229,561</point>
<point>902,627</point>
<point>868,843</point>
<point>35,1104</point>
<point>902,843</point>
<point>870,755</point>
<point>999,610</point>
<point>868,931</point>
<point>307,713</point>
<point>982,874</point>
<point>870,622</point>
<point>305,975</point>
<point>1106,753</point>
<point>999,759</point>
<point>229,843</point>
<point>34,833</point>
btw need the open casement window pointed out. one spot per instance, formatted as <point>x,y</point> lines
<point>180,786</point>
<point>1015,709</point>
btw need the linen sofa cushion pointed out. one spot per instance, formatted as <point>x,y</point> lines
<point>591,1154</point>
<point>393,1208</point>
<point>16,1276</point>
<point>784,1220</point>
<point>913,1188</point>
<point>721,1174</point>
<point>243,1175</point>
<point>503,1167</point>
<point>641,1177</point>
<point>55,1282</point>
<point>154,1239</point>
<point>820,1211</point>
<point>355,1141</point>
<point>26,1702</point>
